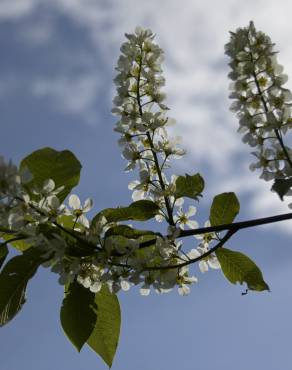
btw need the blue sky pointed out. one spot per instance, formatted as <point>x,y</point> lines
<point>56,70</point>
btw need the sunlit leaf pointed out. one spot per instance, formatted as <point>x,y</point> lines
<point>105,336</point>
<point>189,186</point>
<point>62,167</point>
<point>238,268</point>
<point>78,314</point>
<point>141,210</point>
<point>224,209</point>
<point>128,232</point>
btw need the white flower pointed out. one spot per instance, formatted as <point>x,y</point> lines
<point>207,237</point>
<point>48,188</point>
<point>184,280</point>
<point>78,210</point>
<point>209,261</point>
<point>52,206</point>
<point>183,218</point>
<point>141,188</point>
<point>184,289</point>
<point>125,285</point>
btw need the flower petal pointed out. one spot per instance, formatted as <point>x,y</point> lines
<point>194,253</point>
<point>203,266</point>
<point>83,221</point>
<point>192,224</point>
<point>49,185</point>
<point>74,201</point>
<point>213,262</point>
<point>192,211</point>
<point>53,202</point>
<point>87,205</point>
<point>184,290</point>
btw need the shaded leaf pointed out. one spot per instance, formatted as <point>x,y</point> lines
<point>105,336</point>
<point>282,186</point>
<point>237,267</point>
<point>78,314</point>
<point>13,281</point>
<point>62,167</point>
<point>128,232</point>
<point>20,245</point>
<point>3,253</point>
<point>141,210</point>
<point>189,186</point>
<point>224,209</point>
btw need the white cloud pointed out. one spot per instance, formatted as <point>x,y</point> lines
<point>12,9</point>
<point>73,95</point>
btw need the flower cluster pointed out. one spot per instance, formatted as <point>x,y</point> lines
<point>143,120</point>
<point>262,104</point>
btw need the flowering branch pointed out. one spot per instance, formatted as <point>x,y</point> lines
<point>97,258</point>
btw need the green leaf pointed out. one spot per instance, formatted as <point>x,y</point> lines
<point>20,245</point>
<point>141,210</point>
<point>128,232</point>
<point>3,253</point>
<point>237,267</point>
<point>13,281</point>
<point>105,336</point>
<point>69,222</point>
<point>189,186</point>
<point>78,314</point>
<point>62,167</point>
<point>282,186</point>
<point>224,209</point>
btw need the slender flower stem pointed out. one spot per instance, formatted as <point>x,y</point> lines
<point>260,93</point>
<point>157,166</point>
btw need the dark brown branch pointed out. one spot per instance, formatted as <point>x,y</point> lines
<point>237,225</point>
